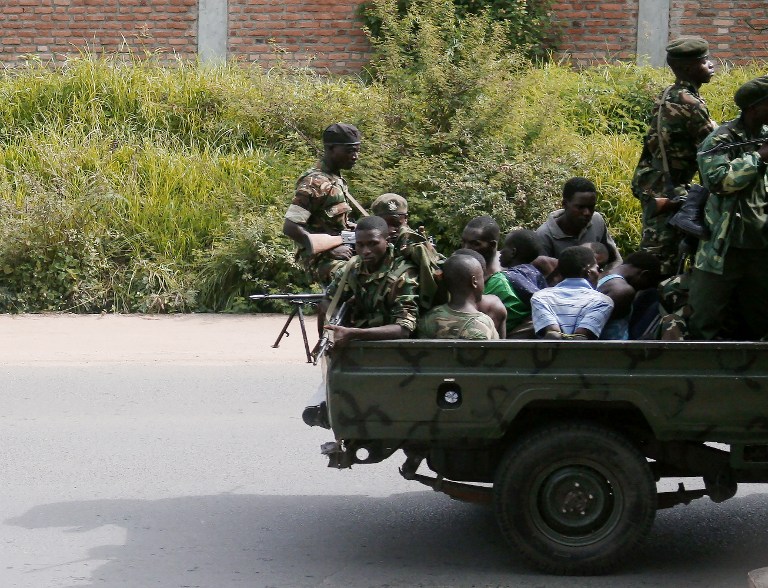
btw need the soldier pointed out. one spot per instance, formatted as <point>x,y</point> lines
<point>679,122</point>
<point>730,265</point>
<point>321,207</point>
<point>382,287</point>
<point>460,318</point>
<point>413,246</point>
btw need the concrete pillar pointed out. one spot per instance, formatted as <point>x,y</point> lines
<point>652,32</point>
<point>212,30</point>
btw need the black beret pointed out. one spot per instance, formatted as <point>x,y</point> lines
<point>688,48</point>
<point>341,134</point>
<point>752,92</point>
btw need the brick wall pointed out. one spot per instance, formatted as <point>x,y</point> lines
<point>54,28</point>
<point>596,30</point>
<point>327,35</point>
<point>593,31</point>
<point>323,33</point>
<point>736,31</point>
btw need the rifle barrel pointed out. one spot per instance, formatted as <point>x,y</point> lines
<point>305,296</point>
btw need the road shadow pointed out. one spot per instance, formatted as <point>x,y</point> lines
<point>412,539</point>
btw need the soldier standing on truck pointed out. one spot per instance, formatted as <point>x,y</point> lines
<point>321,206</point>
<point>729,270</point>
<point>679,122</point>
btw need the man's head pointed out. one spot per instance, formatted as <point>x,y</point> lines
<point>601,253</point>
<point>641,270</point>
<point>371,240</point>
<point>578,262</point>
<point>463,277</point>
<point>393,208</point>
<point>482,235</point>
<point>752,97</point>
<point>688,57</point>
<point>579,201</point>
<point>473,254</point>
<point>520,246</point>
<point>341,142</point>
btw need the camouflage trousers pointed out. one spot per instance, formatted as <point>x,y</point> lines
<point>659,239</point>
<point>674,308</point>
<point>322,268</point>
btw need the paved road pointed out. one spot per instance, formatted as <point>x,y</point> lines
<point>169,452</point>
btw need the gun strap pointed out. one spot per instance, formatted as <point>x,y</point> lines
<point>664,162</point>
<point>339,289</point>
<point>357,204</point>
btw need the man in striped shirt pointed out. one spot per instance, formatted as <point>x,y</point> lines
<point>573,309</point>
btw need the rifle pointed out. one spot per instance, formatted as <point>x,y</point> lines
<point>298,301</point>
<point>729,145</point>
<point>325,342</point>
<point>320,242</point>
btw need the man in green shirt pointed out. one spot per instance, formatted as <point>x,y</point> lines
<point>482,235</point>
<point>729,272</point>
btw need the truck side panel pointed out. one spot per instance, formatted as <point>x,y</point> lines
<point>685,391</point>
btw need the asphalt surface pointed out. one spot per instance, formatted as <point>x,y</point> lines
<point>169,451</point>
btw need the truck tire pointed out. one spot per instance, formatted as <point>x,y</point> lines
<point>574,498</point>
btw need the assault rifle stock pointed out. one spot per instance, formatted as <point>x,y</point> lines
<point>320,242</point>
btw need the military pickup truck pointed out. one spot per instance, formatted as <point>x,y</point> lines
<point>566,439</point>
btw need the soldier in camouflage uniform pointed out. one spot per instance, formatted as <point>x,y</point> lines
<point>459,318</point>
<point>413,246</point>
<point>382,288</point>
<point>321,204</point>
<point>729,270</point>
<point>682,115</point>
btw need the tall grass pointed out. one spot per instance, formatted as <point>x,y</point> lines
<point>131,186</point>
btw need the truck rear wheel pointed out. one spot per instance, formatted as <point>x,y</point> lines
<point>575,498</point>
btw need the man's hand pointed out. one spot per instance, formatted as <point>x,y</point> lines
<point>341,335</point>
<point>341,252</point>
<point>664,205</point>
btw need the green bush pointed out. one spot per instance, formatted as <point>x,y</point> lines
<point>130,186</point>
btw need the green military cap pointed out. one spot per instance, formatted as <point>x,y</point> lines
<point>688,48</point>
<point>752,92</point>
<point>389,204</point>
<point>341,134</point>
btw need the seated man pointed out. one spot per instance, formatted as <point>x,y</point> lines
<point>577,222</point>
<point>413,246</point>
<point>521,250</point>
<point>489,304</point>
<point>482,235</point>
<point>573,309</point>
<point>602,255</point>
<point>382,290</point>
<point>639,271</point>
<point>459,318</point>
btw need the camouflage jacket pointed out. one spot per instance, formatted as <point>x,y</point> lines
<point>385,296</point>
<point>685,122</point>
<point>442,322</point>
<point>419,250</point>
<point>735,178</point>
<point>320,204</point>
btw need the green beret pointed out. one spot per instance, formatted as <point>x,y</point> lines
<point>688,48</point>
<point>389,204</point>
<point>751,93</point>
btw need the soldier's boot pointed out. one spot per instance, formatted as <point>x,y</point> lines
<point>690,218</point>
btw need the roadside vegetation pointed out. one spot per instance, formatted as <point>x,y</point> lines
<point>131,186</point>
